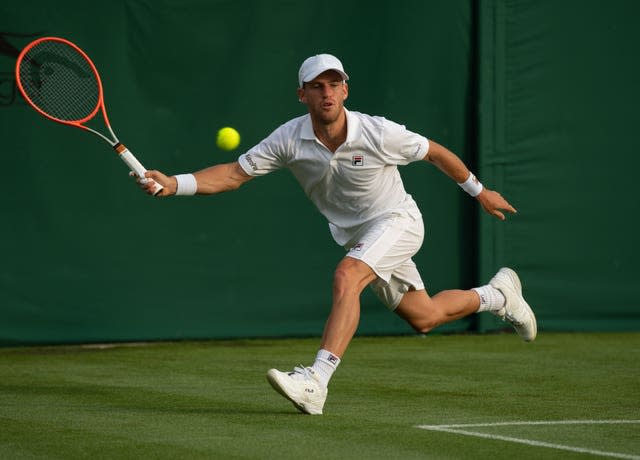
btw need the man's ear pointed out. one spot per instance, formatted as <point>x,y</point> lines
<point>300,92</point>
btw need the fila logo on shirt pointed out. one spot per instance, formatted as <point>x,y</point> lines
<point>357,247</point>
<point>357,160</point>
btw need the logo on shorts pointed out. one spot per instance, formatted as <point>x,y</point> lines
<point>357,160</point>
<point>357,247</point>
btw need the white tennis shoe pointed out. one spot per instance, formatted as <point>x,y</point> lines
<point>301,387</point>
<point>516,310</point>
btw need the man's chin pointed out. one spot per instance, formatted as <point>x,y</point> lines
<point>328,117</point>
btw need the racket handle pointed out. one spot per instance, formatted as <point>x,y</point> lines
<point>134,165</point>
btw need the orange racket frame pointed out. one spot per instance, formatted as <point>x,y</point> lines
<point>124,153</point>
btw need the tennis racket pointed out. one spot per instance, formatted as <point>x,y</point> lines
<point>60,82</point>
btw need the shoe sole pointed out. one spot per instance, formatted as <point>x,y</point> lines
<point>273,378</point>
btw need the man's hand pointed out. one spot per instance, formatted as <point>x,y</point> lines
<point>169,184</point>
<point>493,203</point>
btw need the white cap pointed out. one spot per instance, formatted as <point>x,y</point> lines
<point>315,65</point>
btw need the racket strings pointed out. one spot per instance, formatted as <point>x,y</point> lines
<point>59,81</point>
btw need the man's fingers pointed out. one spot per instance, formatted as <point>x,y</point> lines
<point>151,181</point>
<point>493,203</point>
<point>156,176</point>
<point>139,180</point>
<point>510,208</point>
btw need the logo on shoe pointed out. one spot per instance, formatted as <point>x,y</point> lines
<point>309,390</point>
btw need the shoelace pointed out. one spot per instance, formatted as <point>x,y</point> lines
<point>506,315</point>
<point>300,373</point>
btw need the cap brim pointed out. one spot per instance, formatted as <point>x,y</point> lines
<point>310,77</point>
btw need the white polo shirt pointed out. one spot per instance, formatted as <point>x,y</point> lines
<point>356,184</point>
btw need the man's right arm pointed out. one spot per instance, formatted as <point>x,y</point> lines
<point>214,179</point>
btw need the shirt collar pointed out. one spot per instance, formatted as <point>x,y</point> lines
<point>353,127</point>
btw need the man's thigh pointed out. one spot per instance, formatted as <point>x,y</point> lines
<point>387,247</point>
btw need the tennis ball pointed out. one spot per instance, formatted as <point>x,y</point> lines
<point>228,138</point>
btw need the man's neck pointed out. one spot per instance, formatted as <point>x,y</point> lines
<point>332,135</point>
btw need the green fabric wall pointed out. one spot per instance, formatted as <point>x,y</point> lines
<point>559,100</point>
<point>541,98</point>
<point>86,257</point>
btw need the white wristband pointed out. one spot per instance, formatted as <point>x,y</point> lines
<point>472,185</point>
<point>187,184</point>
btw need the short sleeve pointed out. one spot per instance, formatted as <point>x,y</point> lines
<point>402,146</point>
<point>265,157</point>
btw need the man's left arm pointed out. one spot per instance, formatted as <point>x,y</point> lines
<point>449,163</point>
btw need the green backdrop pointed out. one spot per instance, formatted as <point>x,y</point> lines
<point>559,105</point>
<point>538,99</point>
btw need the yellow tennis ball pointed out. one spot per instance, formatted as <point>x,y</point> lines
<point>228,138</point>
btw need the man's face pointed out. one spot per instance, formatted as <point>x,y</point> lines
<point>324,96</point>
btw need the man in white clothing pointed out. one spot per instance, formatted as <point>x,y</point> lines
<point>346,162</point>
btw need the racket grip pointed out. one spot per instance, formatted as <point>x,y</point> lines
<point>134,165</point>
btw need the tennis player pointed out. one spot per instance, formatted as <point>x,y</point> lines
<point>347,163</point>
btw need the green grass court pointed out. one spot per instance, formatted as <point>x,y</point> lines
<point>211,400</point>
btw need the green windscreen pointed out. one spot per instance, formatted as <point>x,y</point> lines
<point>538,98</point>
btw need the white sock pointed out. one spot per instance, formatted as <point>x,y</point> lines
<point>325,365</point>
<point>491,299</point>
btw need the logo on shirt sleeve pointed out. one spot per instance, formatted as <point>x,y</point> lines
<point>251,162</point>
<point>357,160</point>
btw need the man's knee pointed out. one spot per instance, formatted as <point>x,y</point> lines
<point>417,309</point>
<point>351,275</point>
<point>424,325</point>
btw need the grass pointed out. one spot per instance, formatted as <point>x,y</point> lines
<point>211,399</point>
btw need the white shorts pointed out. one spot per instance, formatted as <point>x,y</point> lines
<point>387,245</point>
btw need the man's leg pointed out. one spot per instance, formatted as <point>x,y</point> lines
<point>306,387</point>
<point>502,296</point>
<point>350,279</point>
<point>425,313</point>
